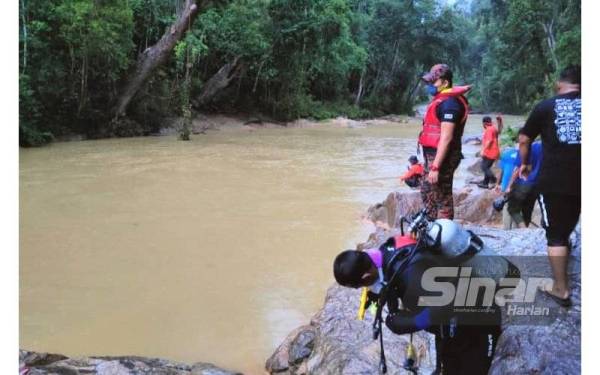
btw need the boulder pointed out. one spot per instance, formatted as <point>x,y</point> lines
<point>338,343</point>
<point>33,363</point>
<point>549,346</point>
<point>475,167</point>
<point>335,342</point>
<point>471,205</point>
<point>474,205</point>
<point>388,213</point>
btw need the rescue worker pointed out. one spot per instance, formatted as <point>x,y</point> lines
<point>508,173</point>
<point>440,139</point>
<point>489,151</point>
<point>465,338</point>
<point>558,121</point>
<point>522,192</point>
<point>414,175</point>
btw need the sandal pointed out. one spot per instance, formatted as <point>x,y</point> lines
<point>564,302</point>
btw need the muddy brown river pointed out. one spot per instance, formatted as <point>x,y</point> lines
<point>210,250</point>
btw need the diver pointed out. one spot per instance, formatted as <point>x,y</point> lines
<point>394,273</point>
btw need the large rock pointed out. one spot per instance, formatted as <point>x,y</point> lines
<point>33,363</point>
<point>555,346</point>
<point>471,205</point>
<point>474,205</point>
<point>335,342</point>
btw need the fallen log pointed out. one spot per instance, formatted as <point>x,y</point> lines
<point>157,55</point>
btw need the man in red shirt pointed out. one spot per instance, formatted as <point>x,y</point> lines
<point>490,152</point>
<point>413,176</point>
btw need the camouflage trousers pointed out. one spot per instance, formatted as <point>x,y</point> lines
<point>437,198</point>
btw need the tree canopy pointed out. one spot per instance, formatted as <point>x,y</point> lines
<point>284,58</point>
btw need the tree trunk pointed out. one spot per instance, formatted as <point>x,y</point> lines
<point>156,55</point>
<point>257,76</point>
<point>217,82</point>
<point>24,18</point>
<point>83,85</point>
<point>360,87</point>
<point>186,127</point>
<point>551,41</point>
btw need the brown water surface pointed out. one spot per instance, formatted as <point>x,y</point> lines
<point>209,250</point>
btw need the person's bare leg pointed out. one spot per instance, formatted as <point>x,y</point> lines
<point>559,260</point>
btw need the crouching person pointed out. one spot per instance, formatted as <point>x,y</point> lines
<point>414,174</point>
<point>412,276</point>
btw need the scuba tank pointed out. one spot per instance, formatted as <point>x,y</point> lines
<point>451,241</point>
<point>462,246</point>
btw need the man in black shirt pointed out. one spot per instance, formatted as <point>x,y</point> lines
<point>440,138</point>
<point>558,121</point>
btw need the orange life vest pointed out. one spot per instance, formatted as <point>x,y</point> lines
<point>432,126</point>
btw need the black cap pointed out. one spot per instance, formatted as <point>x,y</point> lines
<point>413,159</point>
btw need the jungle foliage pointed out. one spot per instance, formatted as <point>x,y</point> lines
<point>281,58</point>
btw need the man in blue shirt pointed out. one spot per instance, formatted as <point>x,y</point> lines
<point>507,165</point>
<point>522,192</point>
<point>508,168</point>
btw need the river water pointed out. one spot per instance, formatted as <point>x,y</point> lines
<point>210,250</point>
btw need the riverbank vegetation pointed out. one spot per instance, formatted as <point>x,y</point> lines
<point>120,67</point>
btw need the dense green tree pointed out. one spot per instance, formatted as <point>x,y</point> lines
<point>404,39</point>
<point>313,54</point>
<point>524,45</point>
<point>76,52</point>
<point>283,58</point>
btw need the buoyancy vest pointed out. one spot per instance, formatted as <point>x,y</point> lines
<point>432,126</point>
<point>386,254</point>
<point>393,250</point>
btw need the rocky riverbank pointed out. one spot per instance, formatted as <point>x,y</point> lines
<point>335,342</point>
<point>205,123</point>
<point>218,122</point>
<point>33,363</point>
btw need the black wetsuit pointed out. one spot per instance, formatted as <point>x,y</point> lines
<point>465,341</point>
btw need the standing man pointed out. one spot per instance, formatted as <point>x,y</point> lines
<point>489,151</point>
<point>443,127</point>
<point>558,121</point>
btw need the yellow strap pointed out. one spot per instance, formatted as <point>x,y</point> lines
<point>363,305</point>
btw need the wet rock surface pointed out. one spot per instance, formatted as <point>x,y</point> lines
<point>33,363</point>
<point>340,344</point>
<point>546,345</point>
<point>471,205</point>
